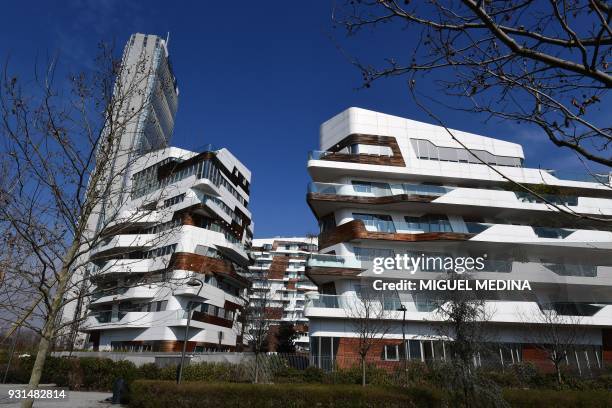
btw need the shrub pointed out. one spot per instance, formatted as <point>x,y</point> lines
<point>558,398</point>
<point>157,394</point>
<point>313,375</point>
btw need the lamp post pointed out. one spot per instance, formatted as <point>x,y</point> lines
<point>192,282</point>
<point>403,309</point>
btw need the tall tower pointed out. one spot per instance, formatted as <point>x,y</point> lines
<point>147,93</point>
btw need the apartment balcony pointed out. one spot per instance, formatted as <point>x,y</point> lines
<point>444,231</point>
<point>559,237</point>
<point>326,166</point>
<point>322,268</point>
<point>378,190</point>
<point>134,218</point>
<point>111,320</point>
<point>325,198</point>
<point>422,308</point>
<point>136,293</point>
<point>333,261</point>
<point>206,186</point>
<point>390,231</point>
<point>121,266</point>
<point>125,243</point>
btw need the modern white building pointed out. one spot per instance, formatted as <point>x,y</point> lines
<point>145,98</point>
<point>384,186</point>
<point>279,284</point>
<point>178,246</point>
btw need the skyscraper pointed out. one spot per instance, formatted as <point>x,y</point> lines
<point>144,105</point>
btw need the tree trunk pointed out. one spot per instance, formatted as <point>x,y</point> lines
<point>256,367</point>
<point>363,372</point>
<point>49,327</point>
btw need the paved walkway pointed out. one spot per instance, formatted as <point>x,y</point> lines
<point>76,399</point>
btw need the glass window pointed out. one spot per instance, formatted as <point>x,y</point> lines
<point>391,352</point>
<point>414,349</point>
<point>377,222</point>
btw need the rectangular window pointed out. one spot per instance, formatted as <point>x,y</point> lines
<point>391,352</point>
<point>362,187</point>
<point>174,200</point>
<point>414,349</point>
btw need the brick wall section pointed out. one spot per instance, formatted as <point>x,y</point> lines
<point>532,354</point>
<point>356,230</point>
<point>606,339</point>
<point>347,355</point>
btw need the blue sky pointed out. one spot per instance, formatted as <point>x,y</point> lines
<point>255,77</point>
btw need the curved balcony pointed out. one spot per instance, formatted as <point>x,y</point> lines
<point>328,196</point>
<point>373,189</point>
<point>137,218</point>
<point>119,266</point>
<point>109,320</point>
<point>124,243</point>
<point>120,294</point>
<point>423,308</point>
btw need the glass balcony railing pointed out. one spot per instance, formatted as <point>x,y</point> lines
<point>595,177</point>
<point>377,189</point>
<point>104,317</point>
<point>526,197</point>
<point>333,261</point>
<point>422,227</point>
<point>100,293</point>
<point>355,303</point>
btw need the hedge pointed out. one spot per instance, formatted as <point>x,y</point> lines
<point>161,394</point>
<point>558,398</point>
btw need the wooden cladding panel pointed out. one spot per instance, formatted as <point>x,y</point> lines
<point>374,140</point>
<point>356,230</point>
<point>231,306</point>
<point>291,284</point>
<point>168,346</point>
<point>210,319</point>
<point>273,312</point>
<point>278,267</point>
<point>205,264</point>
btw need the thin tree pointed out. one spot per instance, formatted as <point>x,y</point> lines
<point>556,336</point>
<point>61,140</point>
<point>367,314</point>
<point>464,320</point>
<point>539,63</point>
<point>257,315</point>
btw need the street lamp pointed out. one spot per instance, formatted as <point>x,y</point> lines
<point>402,308</point>
<point>192,282</point>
